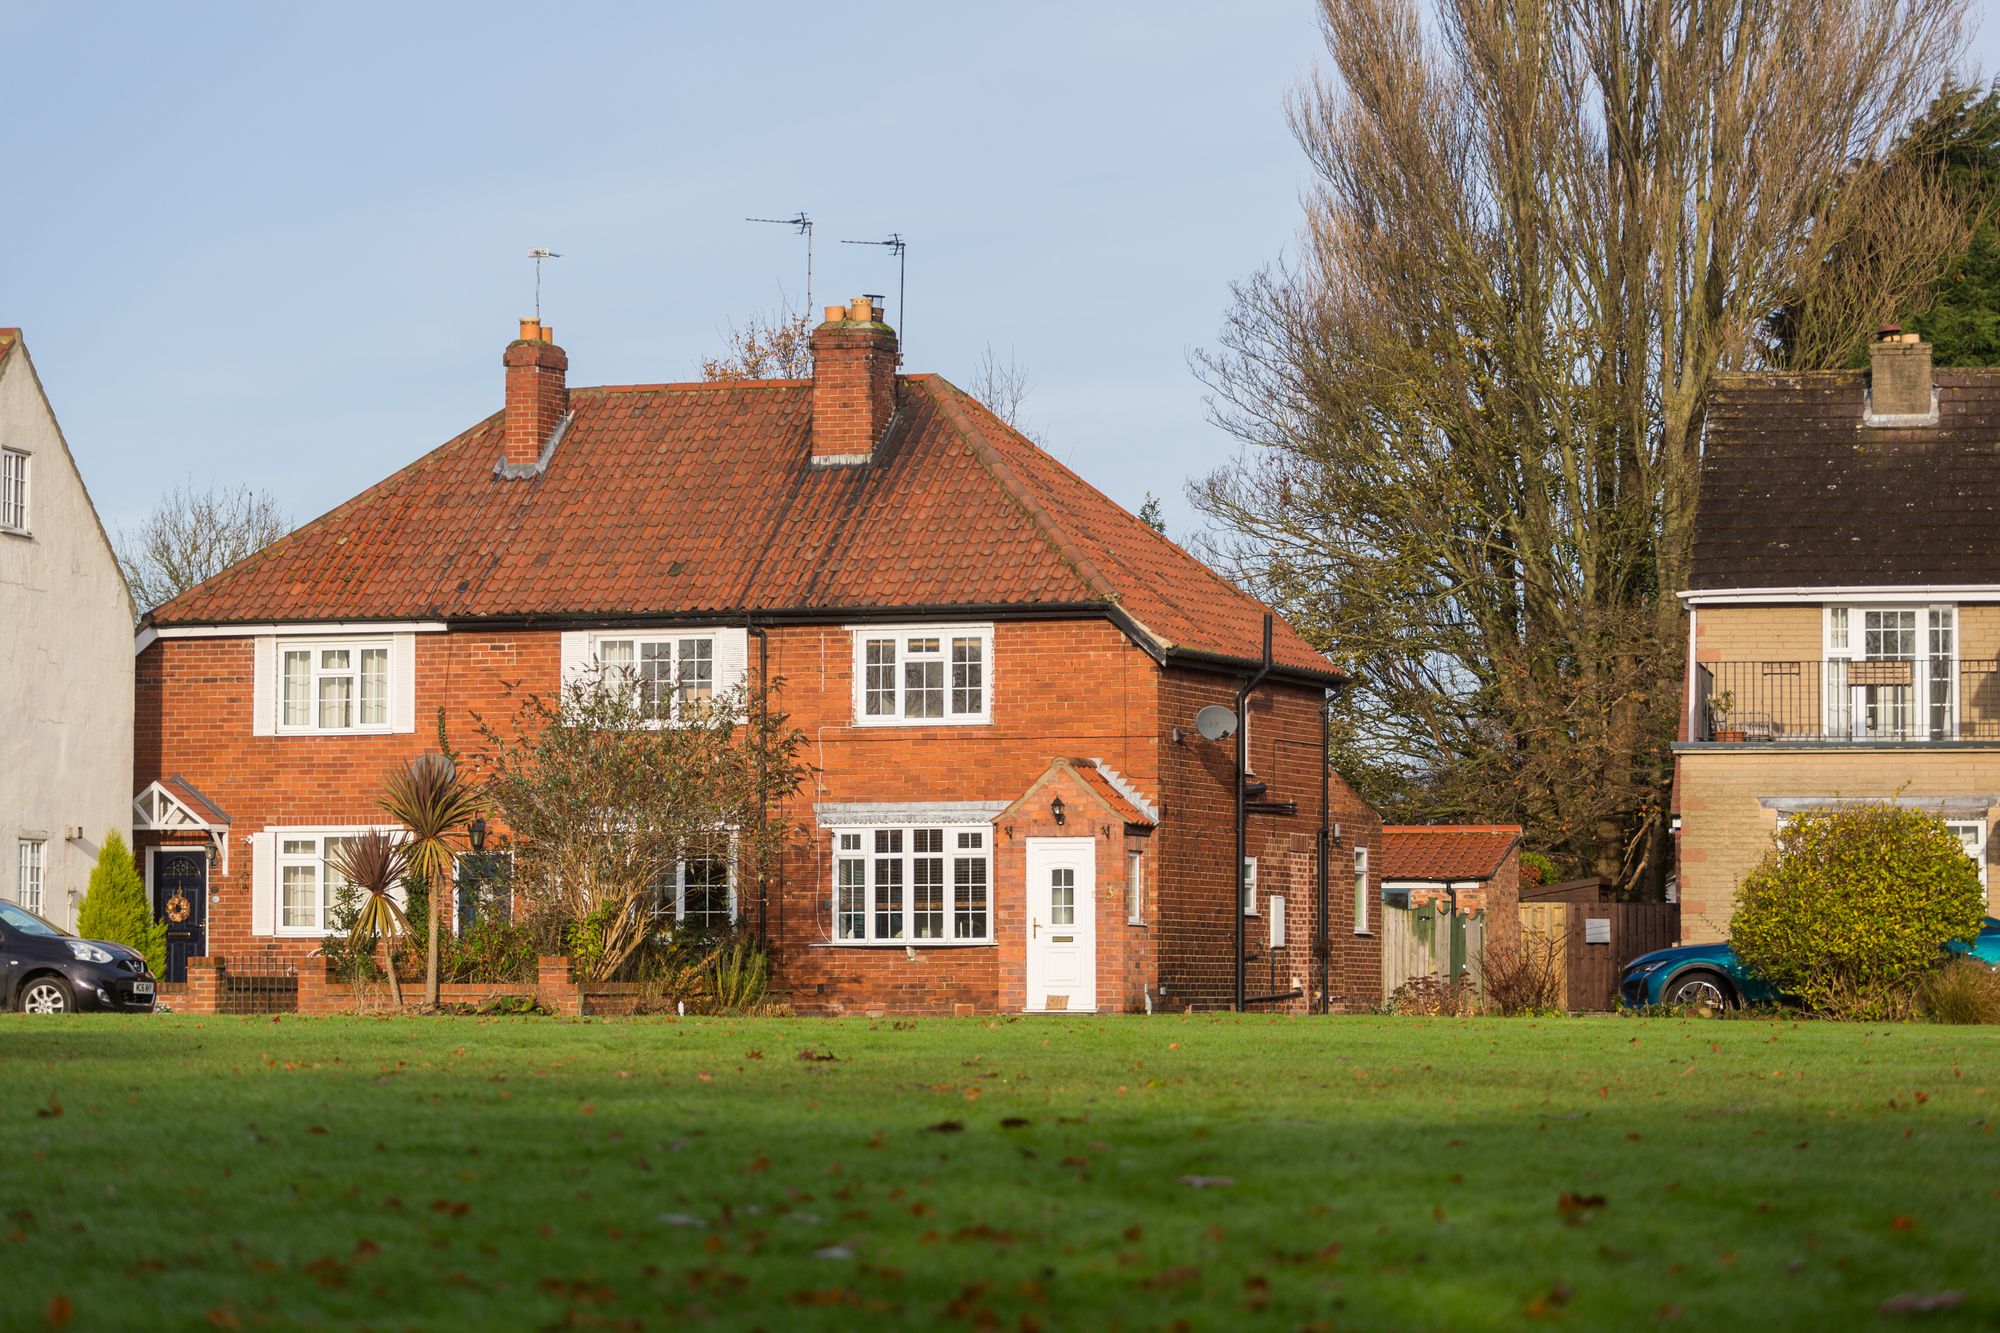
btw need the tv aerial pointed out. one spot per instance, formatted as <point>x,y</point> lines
<point>896,245</point>
<point>802,224</point>
<point>538,254</point>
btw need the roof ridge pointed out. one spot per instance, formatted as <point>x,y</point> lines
<point>1067,549</point>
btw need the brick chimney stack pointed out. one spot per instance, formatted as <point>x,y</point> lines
<point>1899,380</point>
<point>854,383</point>
<point>537,393</point>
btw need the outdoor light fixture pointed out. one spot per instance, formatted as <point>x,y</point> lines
<point>1056,810</point>
<point>477,831</point>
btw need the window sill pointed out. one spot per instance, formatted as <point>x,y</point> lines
<point>906,944</point>
<point>23,533</point>
<point>384,730</point>
<point>865,723</point>
<point>1364,934</point>
<point>1137,925</point>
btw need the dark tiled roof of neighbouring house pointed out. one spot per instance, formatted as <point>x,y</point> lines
<point>699,499</point>
<point>1797,493</point>
<point>1445,852</point>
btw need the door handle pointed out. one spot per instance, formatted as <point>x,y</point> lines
<point>1037,934</point>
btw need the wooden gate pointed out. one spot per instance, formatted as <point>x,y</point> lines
<point>1599,939</point>
<point>1429,941</point>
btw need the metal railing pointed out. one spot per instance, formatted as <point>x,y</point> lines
<point>1848,700</point>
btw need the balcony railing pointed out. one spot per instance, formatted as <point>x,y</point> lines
<point>1848,700</point>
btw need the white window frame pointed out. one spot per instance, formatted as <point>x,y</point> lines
<point>902,636</point>
<point>1250,886</point>
<point>1135,888</point>
<point>316,671</point>
<point>672,897</point>
<point>30,873</point>
<point>281,859</point>
<point>1276,902</point>
<point>15,473</point>
<point>1844,640</point>
<point>1975,847</point>
<point>856,845</point>
<point>677,643</point>
<point>1361,891</point>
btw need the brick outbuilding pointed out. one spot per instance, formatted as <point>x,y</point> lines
<point>966,631</point>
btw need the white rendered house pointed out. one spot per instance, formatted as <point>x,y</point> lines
<point>65,660</point>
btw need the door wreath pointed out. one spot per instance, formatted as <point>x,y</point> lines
<point>178,907</point>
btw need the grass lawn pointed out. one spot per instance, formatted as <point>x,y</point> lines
<point>1346,1173</point>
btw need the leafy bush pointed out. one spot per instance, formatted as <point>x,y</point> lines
<point>740,976</point>
<point>1525,977</point>
<point>490,949</point>
<point>1964,990</point>
<point>115,907</point>
<point>1537,869</point>
<point>1431,996</point>
<point>1850,908</point>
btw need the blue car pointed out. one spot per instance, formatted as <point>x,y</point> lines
<point>1712,975</point>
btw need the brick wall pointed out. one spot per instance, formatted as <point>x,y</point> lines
<point>1060,689</point>
<point>1725,831</point>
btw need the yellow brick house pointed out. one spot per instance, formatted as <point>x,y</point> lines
<point>1843,612</point>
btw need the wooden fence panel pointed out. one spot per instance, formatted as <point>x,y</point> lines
<point>1603,937</point>
<point>1545,933</point>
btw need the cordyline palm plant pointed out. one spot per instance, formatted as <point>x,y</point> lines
<point>431,800</point>
<point>373,862</point>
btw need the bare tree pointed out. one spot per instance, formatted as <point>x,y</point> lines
<point>193,535</point>
<point>770,347</point>
<point>1003,387</point>
<point>1474,404</point>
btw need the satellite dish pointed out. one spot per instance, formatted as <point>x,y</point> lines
<point>1215,722</point>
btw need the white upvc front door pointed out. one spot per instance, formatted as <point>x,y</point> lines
<point>1062,924</point>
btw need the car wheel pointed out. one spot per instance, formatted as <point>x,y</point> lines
<point>1709,990</point>
<point>47,995</point>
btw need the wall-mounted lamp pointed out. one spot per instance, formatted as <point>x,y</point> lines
<point>1056,811</point>
<point>476,830</point>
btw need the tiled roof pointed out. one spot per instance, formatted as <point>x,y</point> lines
<point>8,337</point>
<point>1446,851</point>
<point>699,499</point>
<point>1122,805</point>
<point>1797,493</point>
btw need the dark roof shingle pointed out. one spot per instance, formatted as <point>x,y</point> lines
<point>1797,493</point>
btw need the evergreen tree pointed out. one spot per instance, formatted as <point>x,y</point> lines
<point>115,908</point>
<point>1152,515</point>
<point>1963,325</point>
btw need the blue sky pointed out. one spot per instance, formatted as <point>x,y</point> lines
<point>286,244</point>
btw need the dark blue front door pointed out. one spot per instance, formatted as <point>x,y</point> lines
<point>180,898</point>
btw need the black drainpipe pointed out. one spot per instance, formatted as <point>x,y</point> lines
<point>763,795</point>
<point>1325,830</point>
<point>1242,815</point>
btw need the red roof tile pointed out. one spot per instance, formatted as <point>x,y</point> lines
<point>8,337</point>
<point>1094,777</point>
<point>1446,851</point>
<point>699,499</point>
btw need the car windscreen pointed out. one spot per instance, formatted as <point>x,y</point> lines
<point>21,919</point>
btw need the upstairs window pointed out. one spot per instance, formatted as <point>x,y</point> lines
<point>912,885</point>
<point>334,687</point>
<point>13,490</point>
<point>914,677</point>
<point>673,674</point>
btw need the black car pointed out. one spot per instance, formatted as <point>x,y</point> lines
<point>50,971</point>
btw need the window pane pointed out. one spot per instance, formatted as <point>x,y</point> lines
<point>923,687</point>
<point>301,847</point>
<point>879,686</point>
<point>28,883</point>
<point>374,687</point>
<point>656,680</point>
<point>697,673</point>
<point>301,896</point>
<point>888,896</point>
<point>1062,897</point>
<point>969,904</point>
<point>13,489</point>
<point>1135,888</point>
<point>968,676</point>
<point>927,884</point>
<point>851,897</point>
<point>705,891</point>
<point>336,702</point>
<point>298,689</point>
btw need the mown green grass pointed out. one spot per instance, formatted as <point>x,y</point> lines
<point>1387,1173</point>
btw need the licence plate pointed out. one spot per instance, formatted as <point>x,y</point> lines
<point>142,988</point>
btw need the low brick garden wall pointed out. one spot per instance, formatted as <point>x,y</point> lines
<point>208,990</point>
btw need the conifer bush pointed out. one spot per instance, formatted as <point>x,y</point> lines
<point>1850,908</point>
<point>115,907</point>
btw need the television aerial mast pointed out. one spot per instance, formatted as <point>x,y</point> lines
<point>538,254</point>
<point>804,226</point>
<point>896,246</point>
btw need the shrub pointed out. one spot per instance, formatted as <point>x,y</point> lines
<point>1852,905</point>
<point>1431,996</point>
<point>1525,977</point>
<point>740,976</point>
<point>1537,869</point>
<point>115,907</point>
<point>1964,990</point>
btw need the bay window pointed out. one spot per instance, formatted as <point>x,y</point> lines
<point>913,885</point>
<point>934,674</point>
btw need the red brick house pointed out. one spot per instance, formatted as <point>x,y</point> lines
<point>966,631</point>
